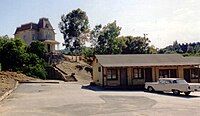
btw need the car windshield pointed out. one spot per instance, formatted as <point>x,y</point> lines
<point>181,81</point>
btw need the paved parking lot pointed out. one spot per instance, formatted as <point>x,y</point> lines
<point>71,99</point>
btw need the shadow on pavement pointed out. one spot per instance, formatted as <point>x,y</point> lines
<point>136,89</point>
<point>120,89</point>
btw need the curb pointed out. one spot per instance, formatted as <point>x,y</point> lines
<point>6,94</point>
<point>40,82</point>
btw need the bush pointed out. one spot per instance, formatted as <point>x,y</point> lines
<point>37,71</point>
<point>15,55</point>
<point>88,52</point>
<point>37,48</point>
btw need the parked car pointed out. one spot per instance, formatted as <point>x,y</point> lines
<point>175,85</point>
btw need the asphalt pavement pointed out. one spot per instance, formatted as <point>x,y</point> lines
<point>71,99</point>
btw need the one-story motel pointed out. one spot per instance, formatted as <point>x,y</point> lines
<point>136,69</point>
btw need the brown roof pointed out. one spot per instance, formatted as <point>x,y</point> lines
<point>192,59</point>
<point>43,23</point>
<point>27,26</point>
<point>144,60</point>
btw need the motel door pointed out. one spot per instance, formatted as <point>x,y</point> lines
<point>123,77</point>
<point>148,75</point>
<point>187,75</point>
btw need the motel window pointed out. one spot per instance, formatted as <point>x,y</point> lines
<point>111,74</point>
<point>138,73</point>
<point>167,73</point>
<point>195,73</point>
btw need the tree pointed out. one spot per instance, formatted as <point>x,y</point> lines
<point>153,49</point>
<point>34,66</point>
<point>107,42</point>
<point>74,26</point>
<point>12,52</point>
<point>37,48</point>
<point>88,52</point>
<point>190,49</point>
<point>94,35</point>
<point>176,47</point>
<point>187,49</point>
<point>136,45</point>
<point>15,57</point>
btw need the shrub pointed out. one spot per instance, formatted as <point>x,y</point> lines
<point>15,55</point>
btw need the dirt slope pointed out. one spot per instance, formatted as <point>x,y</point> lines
<point>8,79</point>
<point>81,70</point>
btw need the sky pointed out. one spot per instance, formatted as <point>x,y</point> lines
<point>163,20</point>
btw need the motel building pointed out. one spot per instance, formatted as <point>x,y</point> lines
<point>136,69</point>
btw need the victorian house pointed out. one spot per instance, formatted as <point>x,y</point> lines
<point>41,31</point>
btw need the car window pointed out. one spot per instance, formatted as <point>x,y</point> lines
<point>168,82</point>
<point>174,81</point>
<point>181,81</point>
<point>161,81</point>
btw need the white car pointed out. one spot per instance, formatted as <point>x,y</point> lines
<point>175,85</point>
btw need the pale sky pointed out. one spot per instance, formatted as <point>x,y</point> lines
<point>163,20</point>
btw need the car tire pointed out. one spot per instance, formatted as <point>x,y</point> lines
<point>176,92</point>
<point>187,93</point>
<point>150,89</point>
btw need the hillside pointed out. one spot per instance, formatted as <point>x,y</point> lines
<point>81,70</point>
<point>8,80</point>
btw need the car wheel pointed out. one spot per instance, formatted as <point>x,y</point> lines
<point>187,93</point>
<point>176,92</point>
<point>150,89</point>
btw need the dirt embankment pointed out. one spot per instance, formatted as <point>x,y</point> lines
<point>8,80</point>
<point>81,70</point>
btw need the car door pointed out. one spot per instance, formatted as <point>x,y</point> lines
<point>168,86</point>
<point>161,85</point>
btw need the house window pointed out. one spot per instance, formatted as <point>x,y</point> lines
<point>24,37</point>
<point>112,74</point>
<point>99,69</point>
<point>34,37</point>
<point>138,73</point>
<point>195,73</point>
<point>48,36</point>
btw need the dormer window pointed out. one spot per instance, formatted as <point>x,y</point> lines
<point>46,26</point>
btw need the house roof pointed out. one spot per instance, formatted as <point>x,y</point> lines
<point>27,26</point>
<point>43,23</point>
<point>145,60</point>
<point>193,59</point>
